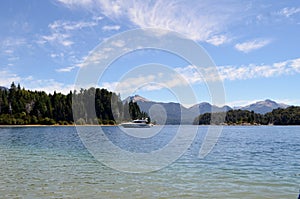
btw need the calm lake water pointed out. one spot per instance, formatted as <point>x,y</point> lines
<point>247,162</point>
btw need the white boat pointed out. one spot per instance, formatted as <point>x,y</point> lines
<point>136,124</point>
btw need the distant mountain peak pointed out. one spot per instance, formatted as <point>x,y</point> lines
<point>136,98</point>
<point>140,98</point>
<point>264,106</point>
<point>269,101</point>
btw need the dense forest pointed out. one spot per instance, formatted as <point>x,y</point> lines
<point>287,116</point>
<point>88,106</point>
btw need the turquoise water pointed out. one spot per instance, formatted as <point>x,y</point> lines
<point>247,162</point>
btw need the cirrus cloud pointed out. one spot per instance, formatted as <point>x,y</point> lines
<point>193,75</point>
<point>287,12</point>
<point>231,73</point>
<point>110,28</point>
<point>29,82</point>
<point>206,21</point>
<point>249,46</point>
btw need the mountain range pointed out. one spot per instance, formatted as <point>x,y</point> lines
<point>175,113</point>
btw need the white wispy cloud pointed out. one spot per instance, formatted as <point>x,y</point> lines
<point>109,28</point>
<point>295,64</point>
<point>194,75</point>
<point>71,25</point>
<point>67,69</point>
<point>110,8</point>
<point>154,81</point>
<point>29,82</point>
<point>97,18</point>
<point>7,77</point>
<point>251,71</point>
<point>13,42</point>
<point>201,23</point>
<point>10,45</point>
<point>12,59</point>
<point>62,31</point>
<point>249,46</point>
<point>218,40</point>
<point>64,34</point>
<point>129,84</point>
<point>118,43</point>
<point>55,55</point>
<point>10,49</point>
<point>72,3</point>
<point>206,21</point>
<point>48,85</point>
<point>287,12</point>
<point>57,38</point>
<point>105,53</point>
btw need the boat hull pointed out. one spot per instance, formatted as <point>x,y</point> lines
<point>134,125</point>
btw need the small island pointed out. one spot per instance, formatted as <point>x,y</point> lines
<point>280,116</point>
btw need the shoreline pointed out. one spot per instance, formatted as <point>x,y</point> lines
<point>108,125</point>
<point>42,125</point>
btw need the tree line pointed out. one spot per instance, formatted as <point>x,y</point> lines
<point>280,116</point>
<point>87,106</point>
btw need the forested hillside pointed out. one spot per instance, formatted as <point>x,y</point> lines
<point>280,116</point>
<point>20,107</point>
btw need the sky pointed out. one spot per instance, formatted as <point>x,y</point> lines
<point>253,44</point>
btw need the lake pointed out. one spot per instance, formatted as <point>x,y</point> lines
<point>246,162</point>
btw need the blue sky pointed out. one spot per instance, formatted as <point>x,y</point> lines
<point>254,44</point>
